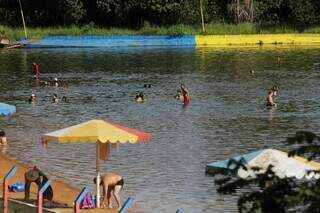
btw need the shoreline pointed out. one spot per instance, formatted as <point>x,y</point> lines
<point>64,194</point>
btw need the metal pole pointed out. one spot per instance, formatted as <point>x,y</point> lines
<point>98,173</point>
<point>23,22</point>
<point>11,172</point>
<point>202,19</point>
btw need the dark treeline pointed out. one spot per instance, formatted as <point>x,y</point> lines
<point>134,13</point>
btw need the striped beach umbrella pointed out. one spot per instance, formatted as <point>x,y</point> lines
<point>97,131</point>
<point>283,166</point>
<point>6,109</point>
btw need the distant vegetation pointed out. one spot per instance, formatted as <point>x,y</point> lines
<point>146,17</point>
<point>17,33</point>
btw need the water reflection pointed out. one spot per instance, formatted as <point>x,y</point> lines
<point>227,114</point>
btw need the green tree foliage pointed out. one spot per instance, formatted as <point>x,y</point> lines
<point>133,13</point>
<point>304,12</point>
<point>270,194</point>
<point>42,12</point>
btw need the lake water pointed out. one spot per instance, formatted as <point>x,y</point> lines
<point>227,115</point>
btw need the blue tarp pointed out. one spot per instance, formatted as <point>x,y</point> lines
<point>6,109</point>
<point>112,41</point>
<point>224,163</point>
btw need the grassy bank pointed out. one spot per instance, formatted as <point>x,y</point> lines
<point>211,29</point>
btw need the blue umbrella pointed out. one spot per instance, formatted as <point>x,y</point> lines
<point>6,109</point>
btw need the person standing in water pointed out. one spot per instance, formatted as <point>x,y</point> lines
<point>35,70</point>
<point>270,102</point>
<point>185,94</point>
<point>179,96</point>
<point>3,138</point>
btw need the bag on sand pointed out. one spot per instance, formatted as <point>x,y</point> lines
<point>17,187</point>
<point>87,202</point>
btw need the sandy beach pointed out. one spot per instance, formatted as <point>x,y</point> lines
<point>64,194</point>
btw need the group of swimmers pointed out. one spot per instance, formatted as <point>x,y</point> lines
<point>51,82</point>
<point>182,95</point>
<point>55,98</point>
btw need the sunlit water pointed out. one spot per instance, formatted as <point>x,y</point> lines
<point>227,115</point>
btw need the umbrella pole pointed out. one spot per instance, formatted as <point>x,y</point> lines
<point>98,173</point>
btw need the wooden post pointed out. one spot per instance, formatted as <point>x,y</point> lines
<point>251,10</point>
<point>79,199</point>
<point>202,19</point>
<point>23,22</point>
<point>40,195</point>
<point>11,172</point>
<point>238,11</point>
<point>126,205</point>
<point>40,202</point>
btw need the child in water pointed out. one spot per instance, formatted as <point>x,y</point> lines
<point>55,98</point>
<point>179,96</point>
<point>139,97</point>
<point>3,138</point>
<point>32,98</point>
<point>56,82</point>
<point>65,99</point>
<point>274,90</point>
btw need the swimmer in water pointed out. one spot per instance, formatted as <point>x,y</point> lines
<point>179,96</point>
<point>46,83</point>
<point>35,71</point>
<point>3,138</point>
<point>65,99</point>
<point>274,90</point>
<point>185,94</point>
<point>55,98</point>
<point>32,98</point>
<point>139,97</point>
<point>270,102</point>
<point>147,85</point>
<point>56,82</point>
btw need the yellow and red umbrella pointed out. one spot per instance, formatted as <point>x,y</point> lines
<point>96,131</point>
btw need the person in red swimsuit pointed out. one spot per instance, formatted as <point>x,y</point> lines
<point>185,94</point>
<point>35,70</point>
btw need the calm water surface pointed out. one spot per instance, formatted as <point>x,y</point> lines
<point>226,117</point>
